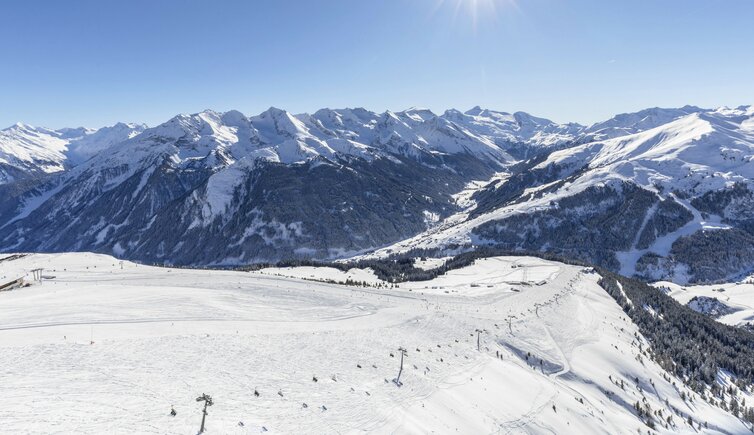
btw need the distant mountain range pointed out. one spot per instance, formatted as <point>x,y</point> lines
<point>27,151</point>
<point>660,193</point>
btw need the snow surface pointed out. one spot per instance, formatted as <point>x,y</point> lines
<point>322,274</point>
<point>103,346</point>
<point>429,263</point>
<point>737,295</point>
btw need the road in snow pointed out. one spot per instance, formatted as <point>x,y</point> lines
<point>103,347</point>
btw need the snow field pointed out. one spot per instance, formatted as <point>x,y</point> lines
<point>739,295</point>
<point>164,336</point>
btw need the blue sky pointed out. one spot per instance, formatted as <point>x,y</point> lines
<point>93,63</point>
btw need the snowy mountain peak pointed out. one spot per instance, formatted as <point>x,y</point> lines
<point>276,124</point>
<point>525,119</point>
<point>634,122</point>
<point>29,151</point>
<point>73,133</point>
<point>743,110</point>
<point>275,113</point>
<point>234,118</point>
<point>92,142</point>
<point>23,128</point>
<point>687,151</point>
<point>474,111</point>
<point>25,149</point>
<point>419,114</point>
<point>452,114</point>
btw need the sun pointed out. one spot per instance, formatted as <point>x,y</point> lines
<point>478,11</point>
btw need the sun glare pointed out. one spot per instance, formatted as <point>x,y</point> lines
<point>478,11</point>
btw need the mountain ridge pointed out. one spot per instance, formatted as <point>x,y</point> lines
<point>340,182</point>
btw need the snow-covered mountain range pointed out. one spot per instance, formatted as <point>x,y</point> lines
<point>651,193</point>
<point>656,202</point>
<point>28,151</point>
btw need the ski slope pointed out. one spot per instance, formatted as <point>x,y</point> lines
<point>103,346</point>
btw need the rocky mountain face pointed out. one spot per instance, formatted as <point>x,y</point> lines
<point>661,193</point>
